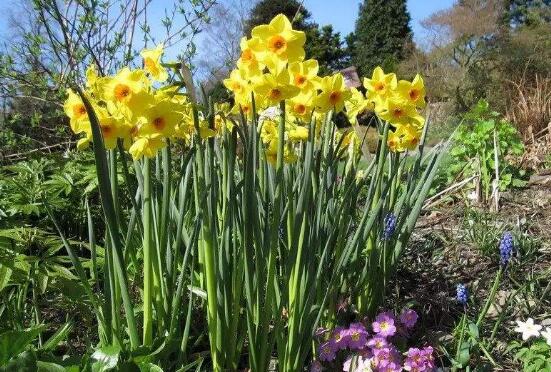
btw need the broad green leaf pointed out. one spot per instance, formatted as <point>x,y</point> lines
<point>13,343</point>
<point>25,361</point>
<point>49,367</point>
<point>106,358</point>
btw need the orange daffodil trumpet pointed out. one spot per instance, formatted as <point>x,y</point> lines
<point>271,68</point>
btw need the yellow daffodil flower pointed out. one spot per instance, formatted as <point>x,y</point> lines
<point>152,63</point>
<point>278,38</point>
<point>413,92</point>
<point>305,74</point>
<point>247,60</point>
<point>380,86</point>
<point>122,87</point>
<point>76,111</point>
<point>406,137</point>
<point>334,94</point>
<point>276,88</point>
<point>298,133</point>
<point>400,112</point>
<point>302,106</point>
<point>147,145</point>
<point>161,118</point>
<point>238,83</point>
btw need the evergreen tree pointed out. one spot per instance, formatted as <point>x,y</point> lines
<point>322,43</point>
<point>528,12</point>
<point>382,35</point>
<point>265,10</point>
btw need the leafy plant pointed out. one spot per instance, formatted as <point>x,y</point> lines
<point>481,139</point>
<point>534,357</point>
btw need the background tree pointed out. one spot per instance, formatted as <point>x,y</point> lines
<point>528,12</point>
<point>382,35</point>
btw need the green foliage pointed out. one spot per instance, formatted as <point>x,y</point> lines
<point>65,183</point>
<point>381,36</point>
<point>473,151</point>
<point>326,46</point>
<point>535,357</point>
<point>527,12</point>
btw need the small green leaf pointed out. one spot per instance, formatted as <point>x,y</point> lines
<point>106,358</point>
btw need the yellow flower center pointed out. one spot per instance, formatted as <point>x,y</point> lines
<point>122,91</point>
<point>300,80</point>
<point>275,94</point>
<point>398,113</point>
<point>79,110</point>
<point>106,130</point>
<point>247,56</point>
<point>355,336</point>
<point>236,87</point>
<point>299,108</point>
<point>414,94</point>
<point>134,131</point>
<point>159,123</point>
<point>384,326</point>
<point>335,97</point>
<point>379,86</point>
<point>277,44</point>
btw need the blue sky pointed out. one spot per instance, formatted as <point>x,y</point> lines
<point>342,13</point>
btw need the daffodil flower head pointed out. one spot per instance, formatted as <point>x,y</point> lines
<point>398,111</point>
<point>275,88</point>
<point>152,63</point>
<point>298,133</point>
<point>147,146</point>
<point>161,118</point>
<point>412,92</point>
<point>110,127</point>
<point>124,85</point>
<point>238,83</point>
<point>405,137</point>
<point>279,39</point>
<point>247,60</point>
<point>302,106</point>
<point>76,111</point>
<point>380,86</point>
<point>334,93</point>
<point>305,74</point>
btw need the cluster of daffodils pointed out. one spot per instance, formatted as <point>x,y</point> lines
<point>398,102</point>
<point>131,110</point>
<point>134,110</point>
<point>529,329</point>
<point>355,349</point>
<point>272,69</point>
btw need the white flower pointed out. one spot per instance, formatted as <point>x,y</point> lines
<point>528,328</point>
<point>547,335</point>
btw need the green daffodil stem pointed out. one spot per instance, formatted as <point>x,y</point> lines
<point>147,256</point>
<point>491,298</point>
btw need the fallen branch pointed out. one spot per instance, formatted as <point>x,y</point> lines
<point>39,149</point>
<point>430,202</point>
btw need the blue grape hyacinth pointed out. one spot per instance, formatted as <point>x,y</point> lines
<point>506,246</point>
<point>390,226</point>
<point>462,294</point>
